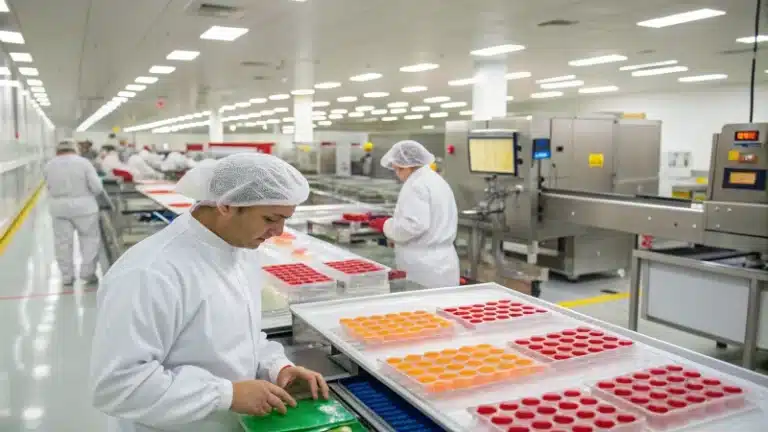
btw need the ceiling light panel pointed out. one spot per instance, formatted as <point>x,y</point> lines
<point>356,114</point>
<point>389,119</point>
<point>5,71</point>
<point>279,96</point>
<point>562,84</point>
<point>336,116</point>
<point>437,99</point>
<point>241,104</point>
<point>517,75</point>
<point>258,100</point>
<point>375,95</point>
<point>303,92</point>
<point>327,85</point>
<point>428,127</point>
<point>320,104</point>
<point>466,113</point>
<point>220,33</point>
<point>378,112</point>
<point>135,87</point>
<point>681,18</point>
<point>28,71</point>
<point>648,65</point>
<point>145,80</point>
<point>11,37</point>
<point>126,94</point>
<point>421,67</point>
<point>751,39</point>
<point>371,76</point>
<point>546,95</point>
<point>461,82</point>
<point>364,108</point>
<point>8,83</point>
<point>398,111</point>
<point>438,115</point>
<point>702,78</point>
<point>163,70</point>
<point>414,117</point>
<point>4,6</point>
<point>347,99</point>
<point>33,82</point>
<point>420,108</point>
<point>37,90</point>
<point>453,105</point>
<point>339,111</point>
<point>413,89</point>
<point>397,104</point>
<point>497,50</point>
<point>19,57</point>
<point>556,79</point>
<point>603,89</point>
<point>183,55</point>
<point>592,61</point>
<point>659,71</point>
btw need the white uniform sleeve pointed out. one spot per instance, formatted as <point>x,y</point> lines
<point>94,182</point>
<point>412,216</point>
<point>272,359</point>
<point>138,318</point>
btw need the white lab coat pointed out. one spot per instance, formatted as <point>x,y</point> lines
<point>112,161</point>
<point>423,229</point>
<point>142,168</point>
<point>73,186</point>
<point>175,161</point>
<point>152,159</point>
<point>179,320</point>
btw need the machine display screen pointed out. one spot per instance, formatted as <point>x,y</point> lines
<point>751,135</point>
<point>492,155</point>
<point>742,178</point>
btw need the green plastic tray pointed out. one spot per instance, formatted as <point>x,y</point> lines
<point>309,415</point>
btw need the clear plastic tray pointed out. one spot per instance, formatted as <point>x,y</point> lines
<point>357,274</point>
<point>299,282</point>
<point>399,327</point>
<point>672,397</point>
<point>572,347</point>
<point>493,314</point>
<point>443,372</point>
<point>567,411</point>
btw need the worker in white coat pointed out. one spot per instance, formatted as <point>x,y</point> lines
<point>142,168</point>
<point>73,186</point>
<point>111,161</point>
<point>151,158</point>
<point>178,343</point>
<point>425,221</point>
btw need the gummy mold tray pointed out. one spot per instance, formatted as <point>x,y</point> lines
<point>300,281</point>
<point>493,313</point>
<point>440,372</point>
<point>571,346</point>
<point>672,396</point>
<point>357,273</point>
<point>567,411</point>
<point>396,327</point>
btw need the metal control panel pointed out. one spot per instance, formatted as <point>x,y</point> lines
<point>739,164</point>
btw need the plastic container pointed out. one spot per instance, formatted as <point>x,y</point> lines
<point>397,327</point>
<point>572,347</point>
<point>357,274</point>
<point>492,314</point>
<point>444,372</point>
<point>673,396</point>
<point>299,282</point>
<point>307,415</point>
<point>568,410</point>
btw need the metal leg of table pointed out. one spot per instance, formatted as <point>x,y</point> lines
<point>634,293</point>
<point>749,359</point>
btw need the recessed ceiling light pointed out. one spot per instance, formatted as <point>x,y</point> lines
<point>355,114</point>
<point>466,113</point>
<point>428,127</point>
<point>135,87</point>
<point>397,104</point>
<point>37,90</point>
<point>339,111</point>
<point>223,33</point>
<point>31,82</point>
<point>279,96</point>
<point>563,84</point>
<point>318,113</point>
<point>517,75</point>
<point>378,112</point>
<point>364,108</point>
<point>288,119</point>
<point>327,85</point>
<point>414,117</point>
<point>421,67</point>
<point>146,80</point>
<point>303,92</point>
<point>45,104</point>
<point>556,79</point>
<point>398,111</point>
<point>544,95</point>
<point>389,119</point>
<point>325,123</point>
<point>510,98</point>
<point>437,99</point>
<point>681,18</point>
<point>320,104</point>
<point>420,108</point>
<point>183,55</point>
<point>613,58</point>
<point>5,71</point>
<point>4,6</point>
<point>21,57</point>
<point>258,100</point>
<point>648,65</point>
<point>439,115</point>
<point>375,95</point>
<point>496,50</point>
<point>11,37</point>
<point>345,99</point>
<point>413,89</point>
<point>603,89</point>
<point>120,99</point>
<point>29,71</point>
<point>273,121</point>
<point>659,71</point>
<point>267,113</point>
<point>161,69</point>
<point>336,116</point>
<point>700,78</point>
<point>453,105</point>
<point>751,39</point>
<point>366,77</point>
<point>242,105</point>
<point>126,94</point>
<point>226,108</point>
<point>461,82</point>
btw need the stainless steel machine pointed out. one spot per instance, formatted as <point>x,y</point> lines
<point>600,153</point>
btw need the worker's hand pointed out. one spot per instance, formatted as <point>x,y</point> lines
<point>316,382</point>
<point>377,224</point>
<point>259,398</point>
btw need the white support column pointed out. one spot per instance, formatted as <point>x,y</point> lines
<point>302,119</point>
<point>215,127</point>
<point>489,92</point>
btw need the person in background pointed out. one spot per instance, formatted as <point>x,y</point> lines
<point>87,151</point>
<point>142,168</point>
<point>425,221</point>
<point>111,161</point>
<point>367,164</point>
<point>153,159</point>
<point>73,186</point>
<point>178,343</point>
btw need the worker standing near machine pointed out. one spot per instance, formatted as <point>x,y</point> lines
<point>178,343</point>
<point>425,221</point>
<point>73,185</point>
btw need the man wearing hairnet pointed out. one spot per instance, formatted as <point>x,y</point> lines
<point>424,225</point>
<point>178,343</point>
<point>73,186</point>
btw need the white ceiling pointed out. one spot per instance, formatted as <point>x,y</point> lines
<point>88,50</point>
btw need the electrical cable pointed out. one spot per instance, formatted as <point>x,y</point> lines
<point>754,62</point>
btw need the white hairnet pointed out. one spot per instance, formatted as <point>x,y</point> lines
<point>245,179</point>
<point>406,154</point>
<point>66,145</point>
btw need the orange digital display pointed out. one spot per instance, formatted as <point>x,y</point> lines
<point>743,178</point>
<point>751,135</point>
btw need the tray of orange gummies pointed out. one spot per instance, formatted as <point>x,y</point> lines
<point>396,327</point>
<point>455,369</point>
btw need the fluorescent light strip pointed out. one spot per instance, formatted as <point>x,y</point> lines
<point>461,82</point>
<point>127,94</point>
<point>336,116</point>
<point>437,99</point>
<point>556,79</point>
<point>19,57</point>
<point>327,85</point>
<point>183,55</point>
<point>397,104</point>
<point>613,58</point>
<point>4,71</point>
<point>438,115</point>
<point>28,71</point>
<point>145,80</point>
<point>356,114</point>
<point>497,50</point>
<point>3,7</point>
<point>413,89</point>
<point>339,111</point>
<point>681,18</point>
<point>258,100</point>
<point>414,117</point>
<point>420,108</point>
<point>11,37</point>
<point>648,65</point>
<point>546,95</point>
<point>389,119</point>
<point>659,71</point>
<point>364,108</point>
<point>347,99</point>
<point>603,89</point>
<point>421,67</point>
<point>227,34</point>
<point>517,75</point>
<point>562,84</point>
<point>398,111</point>
<point>280,96</point>
<point>466,113</point>
<point>366,77</point>
<point>453,105</point>
<point>701,78</point>
<point>375,95</point>
<point>320,104</point>
<point>303,92</point>
<point>751,39</point>
<point>164,70</point>
<point>378,112</point>
<point>428,127</point>
<point>100,113</point>
<point>135,87</point>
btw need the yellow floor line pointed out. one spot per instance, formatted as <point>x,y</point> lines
<point>6,237</point>
<point>605,298</point>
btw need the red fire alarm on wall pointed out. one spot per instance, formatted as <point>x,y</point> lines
<point>450,149</point>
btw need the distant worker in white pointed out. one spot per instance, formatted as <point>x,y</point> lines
<point>178,343</point>
<point>425,221</point>
<point>111,161</point>
<point>143,170</point>
<point>73,186</point>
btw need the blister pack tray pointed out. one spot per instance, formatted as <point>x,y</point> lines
<point>397,327</point>
<point>493,314</point>
<point>572,347</point>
